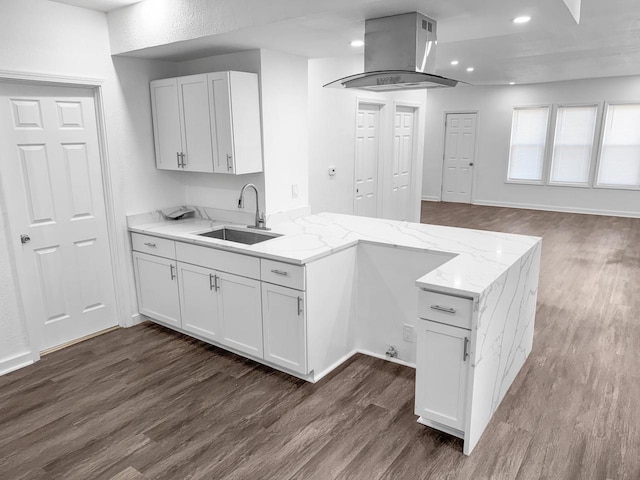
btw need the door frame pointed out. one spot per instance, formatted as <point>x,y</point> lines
<point>444,150</point>
<point>118,274</point>
<point>383,148</point>
<point>413,186</point>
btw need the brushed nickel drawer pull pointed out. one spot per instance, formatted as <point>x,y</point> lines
<point>152,245</point>
<point>299,306</point>
<point>280,272</point>
<point>465,353</point>
<point>443,309</point>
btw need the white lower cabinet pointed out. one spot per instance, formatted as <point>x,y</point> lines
<point>229,309</point>
<point>222,307</point>
<point>442,369</point>
<point>284,327</point>
<point>199,301</point>
<point>240,313</point>
<point>157,287</point>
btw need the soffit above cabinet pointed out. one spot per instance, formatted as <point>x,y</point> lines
<point>100,5</point>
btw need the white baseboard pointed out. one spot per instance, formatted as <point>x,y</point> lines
<point>333,366</point>
<point>136,319</point>
<point>547,208</point>
<point>15,362</point>
<point>430,198</point>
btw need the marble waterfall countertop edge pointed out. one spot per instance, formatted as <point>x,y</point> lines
<point>477,257</point>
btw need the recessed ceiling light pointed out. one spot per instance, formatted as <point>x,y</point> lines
<point>454,62</point>
<point>512,83</point>
<point>470,69</point>
<point>357,43</point>
<point>522,19</point>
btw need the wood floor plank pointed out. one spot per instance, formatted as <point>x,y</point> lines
<point>146,403</point>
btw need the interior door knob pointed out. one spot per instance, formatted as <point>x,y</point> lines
<point>24,238</point>
<point>471,164</point>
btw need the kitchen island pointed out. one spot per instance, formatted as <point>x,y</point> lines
<point>332,285</point>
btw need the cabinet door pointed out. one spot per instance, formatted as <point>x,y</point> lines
<point>193,99</point>
<point>199,301</point>
<point>442,367</point>
<point>221,127</point>
<point>166,123</point>
<point>284,327</point>
<point>157,287</point>
<point>240,313</point>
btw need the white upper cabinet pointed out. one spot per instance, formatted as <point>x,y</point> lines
<point>166,123</point>
<point>235,122</point>
<point>208,123</point>
<point>181,124</point>
<point>195,124</point>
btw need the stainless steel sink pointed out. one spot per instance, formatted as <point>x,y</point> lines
<point>248,237</point>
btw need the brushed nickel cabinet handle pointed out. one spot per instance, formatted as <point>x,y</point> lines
<point>217,286</point>
<point>465,352</point>
<point>172,268</point>
<point>443,309</point>
<point>280,272</point>
<point>211,282</point>
<point>152,245</point>
<point>229,165</point>
<point>299,306</point>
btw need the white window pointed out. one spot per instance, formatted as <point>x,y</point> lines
<point>528,141</point>
<point>619,165</point>
<point>573,144</point>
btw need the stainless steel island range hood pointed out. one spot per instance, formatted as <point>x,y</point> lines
<point>399,54</point>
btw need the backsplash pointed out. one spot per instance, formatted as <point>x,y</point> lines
<point>208,213</point>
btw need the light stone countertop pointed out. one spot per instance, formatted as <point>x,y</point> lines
<point>478,258</point>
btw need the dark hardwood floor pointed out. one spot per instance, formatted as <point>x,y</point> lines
<point>146,403</point>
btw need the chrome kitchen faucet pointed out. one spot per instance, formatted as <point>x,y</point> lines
<point>261,222</point>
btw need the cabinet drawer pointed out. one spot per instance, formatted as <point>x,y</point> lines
<point>153,245</point>
<point>445,309</point>
<point>284,274</point>
<point>215,259</point>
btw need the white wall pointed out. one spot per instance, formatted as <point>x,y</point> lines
<point>47,37</point>
<point>495,105</point>
<point>285,130</point>
<point>14,341</point>
<point>332,114</point>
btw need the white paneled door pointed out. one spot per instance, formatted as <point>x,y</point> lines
<point>366,165</point>
<point>459,157</point>
<point>403,157</point>
<point>52,182</point>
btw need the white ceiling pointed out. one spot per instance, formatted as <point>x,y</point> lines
<point>100,5</point>
<point>478,33</point>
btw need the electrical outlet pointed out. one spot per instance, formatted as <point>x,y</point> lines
<point>294,190</point>
<point>408,333</point>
